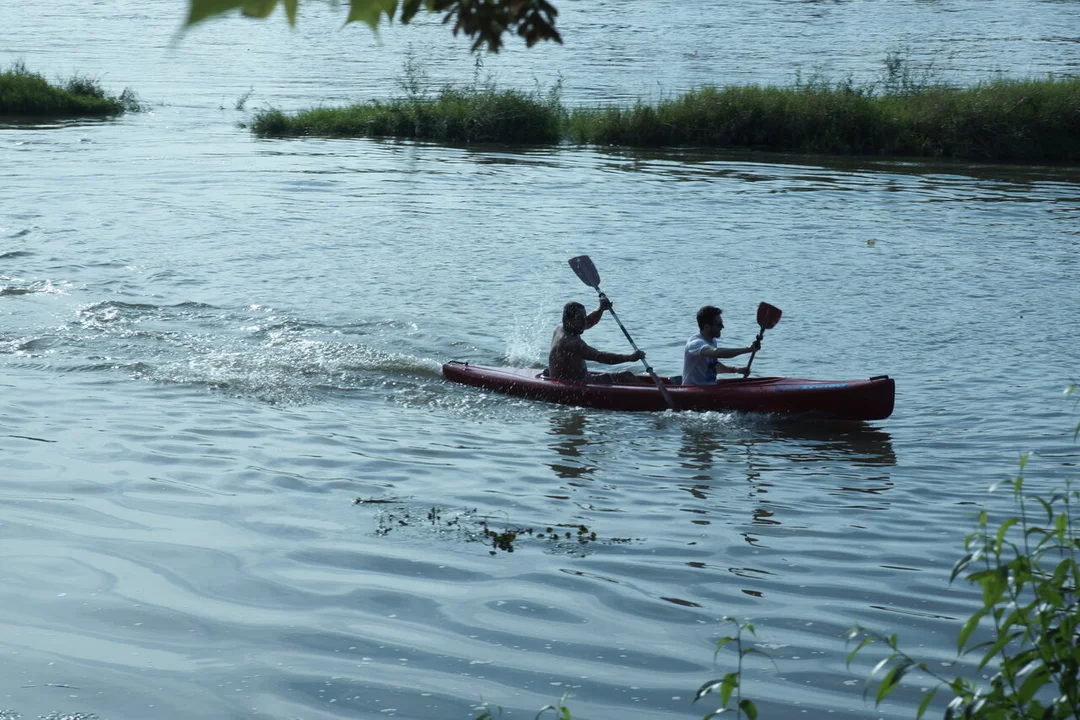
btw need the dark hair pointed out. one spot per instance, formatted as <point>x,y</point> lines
<point>707,315</point>
<point>569,310</point>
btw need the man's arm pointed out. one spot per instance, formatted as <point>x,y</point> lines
<point>588,352</point>
<point>594,317</point>
<point>724,353</point>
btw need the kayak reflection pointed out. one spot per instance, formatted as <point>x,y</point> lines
<point>858,441</point>
<point>804,440</point>
<point>772,459</point>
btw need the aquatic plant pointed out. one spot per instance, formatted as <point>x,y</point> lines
<point>25,93</point>
<point>244,97</point>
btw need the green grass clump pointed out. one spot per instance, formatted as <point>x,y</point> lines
<point>1002,121</point>
<point>454,115</point>
<point>24,93</point>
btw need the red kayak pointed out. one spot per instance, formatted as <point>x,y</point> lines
<point>845,399</point>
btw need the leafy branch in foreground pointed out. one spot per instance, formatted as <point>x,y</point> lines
<point>732,681</point>
<point>484,22</point>
<point>1031,602</point>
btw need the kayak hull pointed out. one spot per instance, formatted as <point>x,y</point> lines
<point>843,399</point>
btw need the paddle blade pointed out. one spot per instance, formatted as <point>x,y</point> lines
<point>583,267</point>
<point>768,315</point>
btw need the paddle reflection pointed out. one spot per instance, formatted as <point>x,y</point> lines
<point>568,429</point>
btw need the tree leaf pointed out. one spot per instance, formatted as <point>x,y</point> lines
<point>731,681</point>
<point>371,11</point>
<point>1002,641</point>
<point>994,586</point>
<point>926,702</point>
<point>1004,529</point>
<point>290,10</point>
<point>259,8</point>
<point>749,708</point>
<point>1032,684</point>
<point>1046,507</point>
<point>722,642</point>
<point>707,688</point>
<point>891,680</point>
<point>199,10</point>
<point>851,656</point>
<point>968,628</point>
<point>409,8</point>
<point>960,566</point>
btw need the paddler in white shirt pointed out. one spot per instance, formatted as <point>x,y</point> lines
<point>701,359</point>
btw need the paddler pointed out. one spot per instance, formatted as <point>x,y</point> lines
<point>566,360</point>
<point>701,358</point>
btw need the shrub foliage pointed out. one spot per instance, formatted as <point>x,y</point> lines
<point>1027,570</point>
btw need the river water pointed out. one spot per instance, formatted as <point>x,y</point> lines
<point>212,346</point>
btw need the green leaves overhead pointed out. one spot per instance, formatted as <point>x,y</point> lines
<point>371,11</point>
<point>484,21</point>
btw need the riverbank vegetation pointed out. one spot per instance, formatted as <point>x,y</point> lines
<point>1016,121</point>
<point>25,93</point>
<point>453,115</point>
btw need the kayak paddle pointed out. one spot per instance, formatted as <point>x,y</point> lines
<point>585,270</point>
<point>767,317</point>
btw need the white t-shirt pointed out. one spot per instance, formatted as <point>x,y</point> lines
<point>696,368</point>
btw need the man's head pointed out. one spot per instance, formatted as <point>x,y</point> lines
<point>573,318</point>
<point>709,321</point>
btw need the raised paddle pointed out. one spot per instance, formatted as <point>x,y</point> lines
<point>767,317</point>
<point>583,267</point>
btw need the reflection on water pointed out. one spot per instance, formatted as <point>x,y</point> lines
<point>854,441</point>
<point>773,456</point>
<point>569,432</point>
<point>704,446</point>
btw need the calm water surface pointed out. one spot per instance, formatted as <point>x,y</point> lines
<point>212,346</point>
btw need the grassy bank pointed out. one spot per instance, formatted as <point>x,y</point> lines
<point>1022,121</point>
<point>24,93</point>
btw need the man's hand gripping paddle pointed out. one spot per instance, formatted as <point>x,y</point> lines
<point>767,317</point>
<point>585,270</point>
